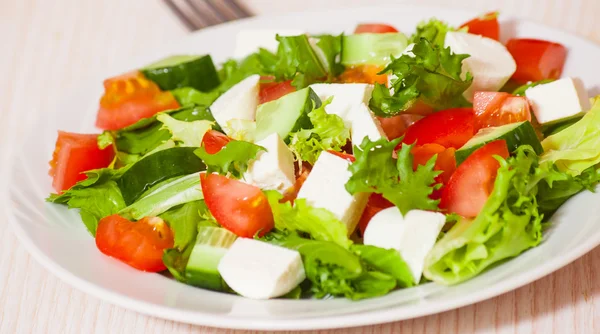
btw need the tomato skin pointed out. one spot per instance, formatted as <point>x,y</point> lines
<point>363,74</point>
<point>239,207</point>
<point>349,157</point>
<point>74,154</point>
<point>444,162</point>
<point>395,126</point>
<point>375,204</point>
<point>130,97</point>
<point>473,181</point>
<point>375,28</point>
<point>498,108</point>
<point>449,128</point>
<point>270,91</point>
<point>213,141</point>
<point>536,59</point>
<point>139,244</point>
<point>486,26</point>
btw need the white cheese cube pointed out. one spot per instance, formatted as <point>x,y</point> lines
<point>249,41</point>
<point>490,63</point>
<point>259,270</point>
<point>325,188</point>
<point>412,235</point>
<point>557,100</point>
<point>365,124</point>
<point>345,97</point>
<point>239,102</point>
<point>273,169</point>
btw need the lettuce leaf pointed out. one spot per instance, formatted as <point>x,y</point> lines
<point>577,147</point>
<point>319,223</point>
<point>331,48</point>
<point>520,91</point>
<point>96,197</point>
<point>377,171</point>
<point>241,129</point>
<point>232,159</point>
<point>387,261</point>
<point>333,270</point>
<point>328,133</point>
<point>508,224</point>
<point>185,133</point>
<point>432,75</point>
<point>188,96</point>
<point>184,220</point>
<point>433,30</point>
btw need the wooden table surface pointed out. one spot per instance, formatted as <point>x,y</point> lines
<point>50,45</point>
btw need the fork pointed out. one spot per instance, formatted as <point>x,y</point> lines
<point>197,14</point>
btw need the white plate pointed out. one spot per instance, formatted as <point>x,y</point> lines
<point>57,239</point>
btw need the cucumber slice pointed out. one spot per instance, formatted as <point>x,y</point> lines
<point>183,71</point>
<point>373,49</point>
<point>202,267</point>
<point>157,167</point>
<point>515,135</point>
<point>286,114</point>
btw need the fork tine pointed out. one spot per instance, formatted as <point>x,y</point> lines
<point>239,10</point>
<point>204,12</point>
<point>197,14</point>
<point>185,12</point>
<point>175,9</point>
<point>217,11</point>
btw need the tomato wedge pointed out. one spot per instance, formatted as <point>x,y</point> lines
<point>449,128</point>
<point>239,207</point>
<point>536,59</point>
<point>374,28</point>
<point>396,126</point>
<point>130,97</point>
<point>343,155</point>
<point>375,204</point>
<point>74,154</point>
<point>363,74</point>
<point>270,91</point>
<point>444,162</point>
<point>213,141</point>
<point>498,108</point>
<point>473,181</point>
<point>485,25</point>
<point>139,244</point>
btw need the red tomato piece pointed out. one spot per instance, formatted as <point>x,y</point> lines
<point>213,141</point>
<point>270,91</point>
<point>130,97</point>
<point>395,126</point>
<point>449,128</point>
<point>498,108</point>
<point>363,74</point>
<point>375,204</point>
<point>139,244</point>
<point>343,155</point>
<point>74,154</point>
<point>444,162</point>
<point>486,26</point>
<point>473,181</point>
<point>536,59</point>
<point>239,207</point>
<point>375,28</point>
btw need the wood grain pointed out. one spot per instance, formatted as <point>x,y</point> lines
<point>49,46</point>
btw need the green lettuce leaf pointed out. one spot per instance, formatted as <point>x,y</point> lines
<point>328,133</point>
<point>432,75</point>
<point>319,223</point>
<point>333,270</point>
<point>520,91</point>
<point>185,220</point>
<point>232,159</point>
<point>577,147</point>
<point>96,197</point>
<point>331,48</point>
<point>387,261</point>
<point>240,129</point>
<point>377,171</point>
<point>185,133</point>
<point>433,30</point>
<point>508,224</point>
<point>188,96</point>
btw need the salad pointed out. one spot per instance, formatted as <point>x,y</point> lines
<point>345,165</point>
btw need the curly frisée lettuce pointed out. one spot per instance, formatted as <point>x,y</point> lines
<point>377,171</point>
<point>185,133</point>
<point>433,30</point>
<point>432,75</point>
<point>508,224</point>
<point>328,133</point>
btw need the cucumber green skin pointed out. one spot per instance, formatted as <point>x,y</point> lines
<point>199,73</point>
<point>525,135</point>
<point>205,279</point>
<point>157,167</point>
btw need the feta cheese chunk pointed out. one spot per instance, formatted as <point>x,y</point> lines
<point>273,169</point>
<point>490,63</point>
<point>365,124</point>
<point>239,102</point>
<point>412,235</point>
<point>345,97</point>
<point>259,270</point>
<point>249,41</point>
<point>557,100</point>
<point>325,188</point>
